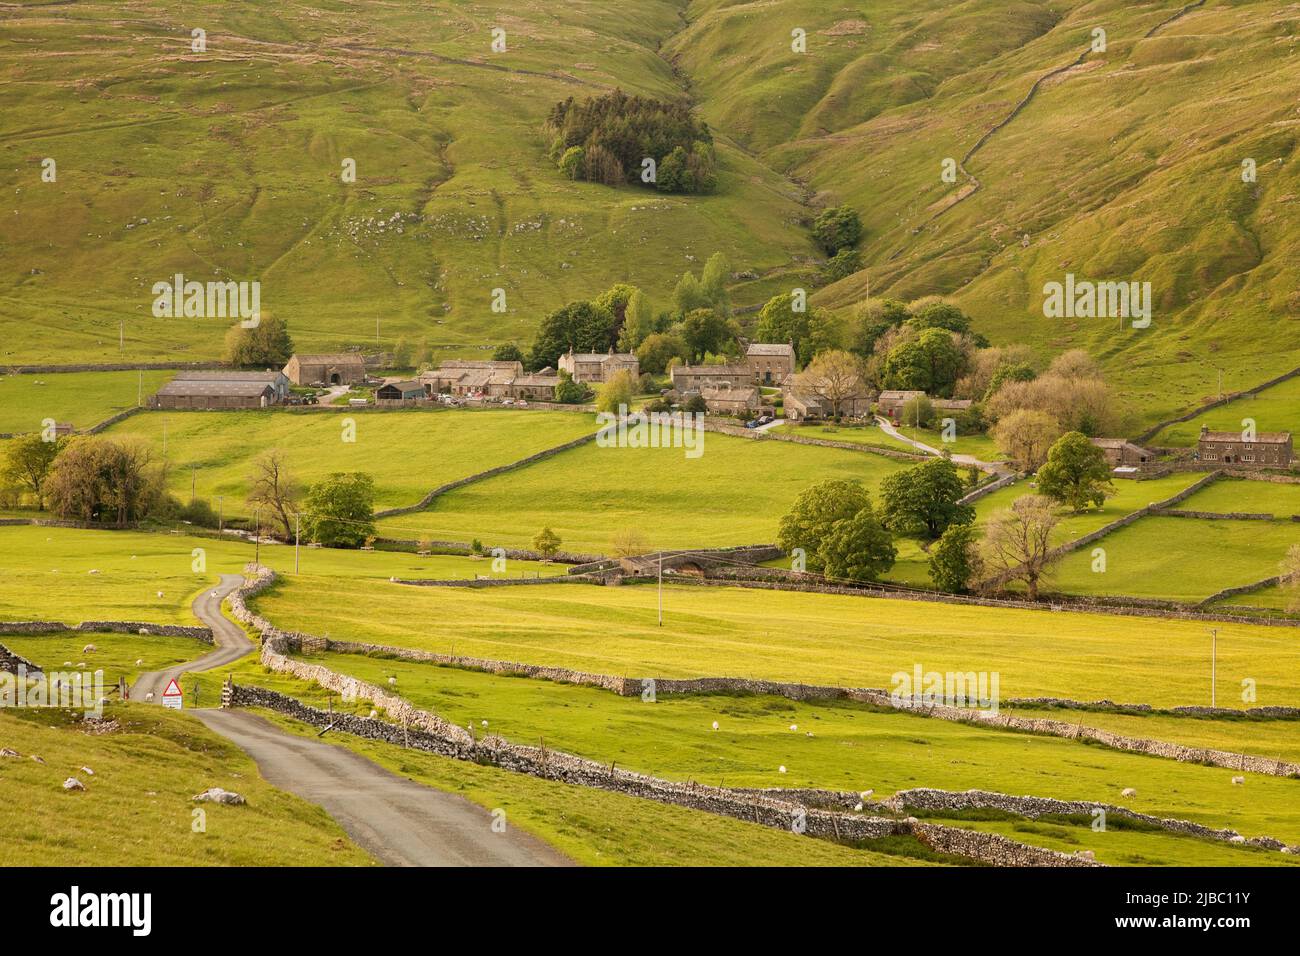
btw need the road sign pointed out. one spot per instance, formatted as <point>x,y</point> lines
<point>172,697</point>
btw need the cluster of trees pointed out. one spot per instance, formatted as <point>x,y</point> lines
<point>119,482</point>
<point>1030,412</point>
<point>842,535</point>
<point>837,231</point>
<point>266,345</point>
<point>607,139</point>
<point>697,327</point>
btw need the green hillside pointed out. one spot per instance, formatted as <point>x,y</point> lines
<point>1123,164</point>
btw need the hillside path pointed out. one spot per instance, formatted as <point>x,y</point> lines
<point>398,821</point>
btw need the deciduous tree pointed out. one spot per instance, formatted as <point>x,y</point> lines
<point>1076,473</point>
<point>1017,542</point>
<point>340,510</point>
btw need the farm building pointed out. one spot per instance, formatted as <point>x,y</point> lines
<point>800,407</point>
<point>471,377</point>
<point>951,404</point>
<point>226,394</point>
<point>538,387</point>
<point>279,380</point>
<point>729,400</point>
<point>694,378</point>
<point>1123,456</point>
<point>595,367</point>
<point>335,368</point>
<point>1263,450</point>
<point>892,401</point>
<point>769,364</point>
<point>400,391</point>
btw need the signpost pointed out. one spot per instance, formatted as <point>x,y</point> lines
<point>172,697</point>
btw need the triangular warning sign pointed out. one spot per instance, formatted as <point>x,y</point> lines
<point>173,689</point>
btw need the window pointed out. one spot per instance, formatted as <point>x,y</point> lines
<point>1211,456</point>
<point>1247,457</point>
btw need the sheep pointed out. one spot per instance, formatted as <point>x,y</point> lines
<point>1129,792</point>
<point>149,696</point>
<point>1238,781</point>
<point>139,662</point>
<point>392,680</point>
<point>858,807</point>
<point>866,794</point>
<point>89,649</point>
<point>715,725</point>
<point>160,594</point>
<point>794,726</point>
<point>781,769</point>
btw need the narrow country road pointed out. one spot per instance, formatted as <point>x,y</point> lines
<point>231,642</point>
<point>398,821</point>
<point>997,467</point>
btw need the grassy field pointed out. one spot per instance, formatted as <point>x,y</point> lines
<point>835,745</point>
<point>78,398</point>
<point>597,828</point>
<point>1243,495</point>
<point>800,637</point>
<point>114,654</point>
<point>1179,559</point>
<point>1276,409</point>
<point>407,453</point>
<point>733,493</point>
<point>47,571</point>
<point>136,810</point>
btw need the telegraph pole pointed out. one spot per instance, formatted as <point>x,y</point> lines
<point>1214,660</point>
<point>661,588</point>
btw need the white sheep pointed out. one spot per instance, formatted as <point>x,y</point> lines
<point>781,769</point>
<point>139,662</point>
<point>160,594</point>
<point>858,807</point>
<point>866,794</point>
<point>715,725</point>
<point>392,680</point>
<point>88,649</point>
<point>794,726</point>
<point>149,696</point>
<point>1129,792</point>
<point>1238,781</point>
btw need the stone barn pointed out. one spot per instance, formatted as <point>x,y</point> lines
<point>335,368</point>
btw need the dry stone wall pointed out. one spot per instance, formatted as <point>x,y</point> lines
<point>203,634</point>
<point>11,661</point>
<point>987,848</point>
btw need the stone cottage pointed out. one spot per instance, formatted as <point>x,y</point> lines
<point>769,364</point>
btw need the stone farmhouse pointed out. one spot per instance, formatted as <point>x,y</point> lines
<point>1265,450</point>
<point>892,401</point>
<point>688,379</point>
<point>594,367</point>
<point>400,391</point>
<point>770,364</point>
<point>800,405</point>
<point>730,400</point>
<point>334,368</point>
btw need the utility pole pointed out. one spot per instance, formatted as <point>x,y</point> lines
<point>121,336</point>
<point>297,527</point>
<point>139,388</point>
<point>661,589</point>
<point>1214,660</point>
<point>193,472</point>
<point>221,526</point>
<point>257,537</point>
